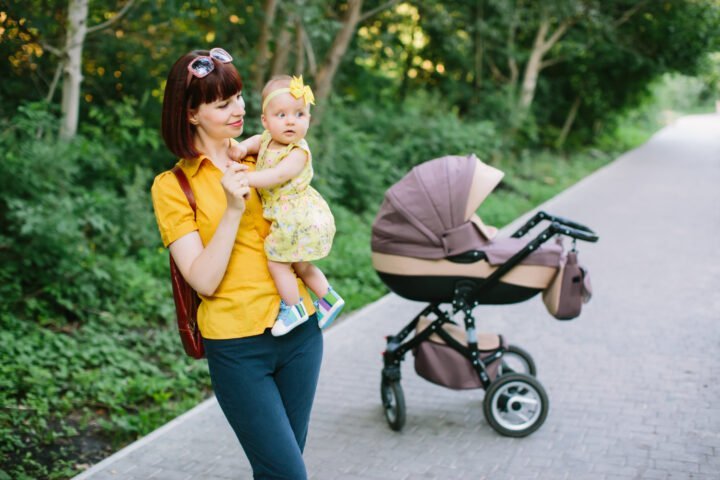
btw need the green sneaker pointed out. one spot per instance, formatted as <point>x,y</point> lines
<point>328,308</point>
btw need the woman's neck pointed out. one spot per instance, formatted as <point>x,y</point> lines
<point>215,149</point>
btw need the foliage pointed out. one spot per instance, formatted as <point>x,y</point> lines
<point>91,359</point>
<point>471,53</point>
<point>70,213</point>
<point>379,145</point>
<point>610,66</point>
<point>475,54</point>
<point>87,345</point>
<point>709,75</point>
<point>110,381</point>
<point>670,97</point>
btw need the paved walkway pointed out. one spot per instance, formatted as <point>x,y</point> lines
<point>634,383</point>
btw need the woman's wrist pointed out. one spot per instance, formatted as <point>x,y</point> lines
<point>235,212</point>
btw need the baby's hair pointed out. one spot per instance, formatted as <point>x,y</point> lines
<point>278,81</point>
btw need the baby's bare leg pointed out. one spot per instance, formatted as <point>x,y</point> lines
<point>285,281</point>
<point>313,278</point>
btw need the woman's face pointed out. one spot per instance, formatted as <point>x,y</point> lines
<point>221,118</point>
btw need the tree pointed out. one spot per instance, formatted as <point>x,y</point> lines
<point>69,58</point>
<point>72,66</point>
<point>263,49</point>
<point>545,39</point>
<point>535,66</point>
<point>291,24</point>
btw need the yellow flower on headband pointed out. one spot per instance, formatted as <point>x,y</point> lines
<point>298,90</point>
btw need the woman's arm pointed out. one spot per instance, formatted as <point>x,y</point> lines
<point>289,168</point>
<point>204,267</point>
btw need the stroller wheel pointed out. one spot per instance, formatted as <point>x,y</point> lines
<point>516,360</point>
<point>515,405</point>
<point>393,401</point>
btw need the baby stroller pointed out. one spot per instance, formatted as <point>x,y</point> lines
<point>429,245</point>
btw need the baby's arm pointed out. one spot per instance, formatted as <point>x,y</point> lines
<point>290,167</point>
<point>249,146</point>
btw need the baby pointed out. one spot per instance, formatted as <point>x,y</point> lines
<point>302,227</point>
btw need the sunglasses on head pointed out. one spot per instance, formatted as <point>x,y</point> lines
<point>201,66</point>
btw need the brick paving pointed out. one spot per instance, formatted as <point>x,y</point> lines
<point>634,383</point>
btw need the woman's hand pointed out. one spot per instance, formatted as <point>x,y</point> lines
<point>236,186</point>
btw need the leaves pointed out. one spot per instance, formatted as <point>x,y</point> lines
<point>85,305</point>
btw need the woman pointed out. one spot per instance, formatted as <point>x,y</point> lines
<point>265,385</point>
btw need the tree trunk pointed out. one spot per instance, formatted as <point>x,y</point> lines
<point>309,52</point>
<point>299,48</point>
<point>532,69</point>
<point>535,63</point>
<point>511,60</point>
<point>572,113</point>
<point>326,73</point>
<point>72,69</point>
<point>282,51</point>
<point>479,49</point>
<point>324,78</point>
<point>258,78</point>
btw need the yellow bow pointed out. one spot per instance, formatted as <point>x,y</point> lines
<point>298,90</point>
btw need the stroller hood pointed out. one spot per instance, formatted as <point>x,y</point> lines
<point>430,213</point>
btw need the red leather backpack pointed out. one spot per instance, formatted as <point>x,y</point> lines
<point>186,299</point>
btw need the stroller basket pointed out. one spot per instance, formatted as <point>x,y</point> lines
<point>439,363</point>
<point>429,245</point>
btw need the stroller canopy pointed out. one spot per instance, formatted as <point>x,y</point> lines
<point>430,213</point>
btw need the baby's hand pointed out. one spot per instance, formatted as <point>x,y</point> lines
<point>237,152</point>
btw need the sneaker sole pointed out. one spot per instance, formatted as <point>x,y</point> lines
<point>286,329</point>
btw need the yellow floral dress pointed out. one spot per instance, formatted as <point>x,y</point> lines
<point>302,226</point>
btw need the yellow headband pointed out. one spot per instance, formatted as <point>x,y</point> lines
<point>297,89</point>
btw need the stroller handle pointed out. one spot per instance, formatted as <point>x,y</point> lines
<point>569,223</point>
<point>585,235</point>
<point>581,232</point>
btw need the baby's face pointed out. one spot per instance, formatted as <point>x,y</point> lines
<point>286,118</point>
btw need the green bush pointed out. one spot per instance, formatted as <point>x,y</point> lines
<point>69,229</point>
<point>85,302</point>
<point>360,150</point>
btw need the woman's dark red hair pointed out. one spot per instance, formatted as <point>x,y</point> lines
<point>180,97</point>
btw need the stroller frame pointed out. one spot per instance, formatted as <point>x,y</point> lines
<point>507,390</point>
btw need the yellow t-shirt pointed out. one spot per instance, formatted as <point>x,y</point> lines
<point>246,302</point>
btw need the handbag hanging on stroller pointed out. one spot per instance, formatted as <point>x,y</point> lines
<point>429,245</point>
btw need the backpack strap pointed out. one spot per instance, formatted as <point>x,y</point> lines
<point>185,186</point>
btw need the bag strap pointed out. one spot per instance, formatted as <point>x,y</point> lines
<point>185,186</point>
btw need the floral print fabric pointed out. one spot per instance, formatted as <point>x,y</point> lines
<point>303,226</point>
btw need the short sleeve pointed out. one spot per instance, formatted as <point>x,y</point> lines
<point>301,145</point>
<point>264,140</point>
<point>175,217</point>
